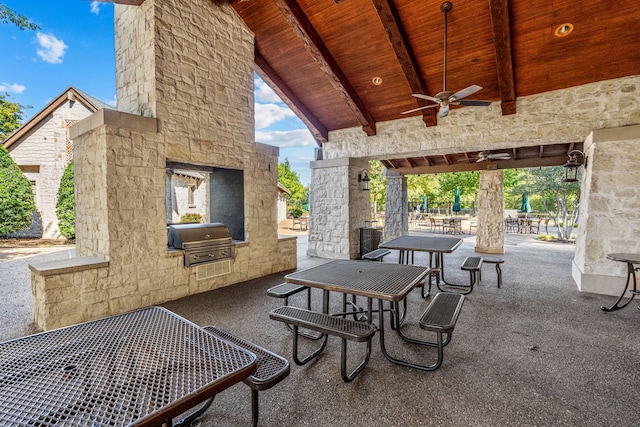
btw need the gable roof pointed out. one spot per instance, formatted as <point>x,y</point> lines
<point>71,93</point>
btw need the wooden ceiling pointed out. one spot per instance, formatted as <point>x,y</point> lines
<point>321,56</point>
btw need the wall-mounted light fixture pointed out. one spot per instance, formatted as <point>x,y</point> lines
<point>572,166</point>
<point>363,179</point>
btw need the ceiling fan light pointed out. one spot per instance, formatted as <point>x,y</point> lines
<point>376,81</point>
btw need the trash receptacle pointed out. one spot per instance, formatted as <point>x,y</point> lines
<point>370,238</point>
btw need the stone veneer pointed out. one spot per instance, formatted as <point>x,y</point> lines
<point>490,229</point>
<point>339,208</point>
<point>185,94</point>
<point>609,206</point>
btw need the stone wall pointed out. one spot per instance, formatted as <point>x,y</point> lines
<point>609,206</point>
<point>339,208</point>
<point>490,231</point>
<point>176,109</point>
<point>567,115</point>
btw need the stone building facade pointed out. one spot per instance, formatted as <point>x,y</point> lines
<point>43,148</point>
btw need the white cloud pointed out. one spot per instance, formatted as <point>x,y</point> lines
<point>268,114</point>
<point>51,49</point>
<point>12,88</point>
<point>286,138</point>
<point>264,93</point>
<point>95,7</point>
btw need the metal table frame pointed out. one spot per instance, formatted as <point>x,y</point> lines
<point>437,246</point>
<point>630,260</point>
<point>373,280</point>
<point>141,368</point>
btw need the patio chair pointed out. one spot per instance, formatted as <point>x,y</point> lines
<point>544,222</point>
<point>435,225</point>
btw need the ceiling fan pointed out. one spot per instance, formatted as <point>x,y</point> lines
<point>490,155</point>
<point>446,98</point>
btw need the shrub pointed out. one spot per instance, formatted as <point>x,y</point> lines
<point>191,218</point>
<point>66,205</point>
<point>16,196</point>
<point>296,212</point>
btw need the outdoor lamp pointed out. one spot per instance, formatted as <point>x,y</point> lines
<point>363,177</point>
<point>572,166</point>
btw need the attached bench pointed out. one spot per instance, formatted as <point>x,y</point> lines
<point>441,316</point>
<point>497,261</point>
<point>471,264</point>
<point>326,324</point>
<point>285,290</point>
<point>376,255</point>
<point>271,370</point>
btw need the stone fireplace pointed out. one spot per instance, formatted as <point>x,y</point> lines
<point>185,97</point>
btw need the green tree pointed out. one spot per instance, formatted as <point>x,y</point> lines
<point>10,116</point>
<point>291,180</point>
<point>16,196</point>
<point>7,15</point>
<point>377,186</point>
<point>560,200</point>
<point>66,204</point>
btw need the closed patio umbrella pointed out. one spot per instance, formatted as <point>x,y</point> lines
<point>424,203</point>
<point>526,207</point>
<point>456,201</point>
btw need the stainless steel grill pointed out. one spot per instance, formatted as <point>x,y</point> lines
<point>202,243</point>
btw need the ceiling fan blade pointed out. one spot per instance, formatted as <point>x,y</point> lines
<point>466,92</point>
<point>419,108</point>
<point>500,156</point>
<point>481,159</point>
<point>427,97</point>
<point>474,103</point>
<point>444,111</point>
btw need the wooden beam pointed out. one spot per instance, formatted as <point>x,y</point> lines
<point>498,164</point>
<point>504,60</point>
<point>388,14</point>
<point>300,24</point>
<point>275,82</point>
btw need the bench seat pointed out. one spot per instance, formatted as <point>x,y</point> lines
<point>345,329</point>
<point>377,255</point>
<point>440,317</point>
<point>271,369</point>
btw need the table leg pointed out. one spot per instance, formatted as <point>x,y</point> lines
<point>631,274</point>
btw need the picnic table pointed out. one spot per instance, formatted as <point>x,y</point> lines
<point>141,368</point>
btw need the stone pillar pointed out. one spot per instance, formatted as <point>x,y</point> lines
<point>490,234</point>
<point>396,217</point>
<point>339,208</point>
<point>608,220</point>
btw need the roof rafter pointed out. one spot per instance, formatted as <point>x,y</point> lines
<point>504,60</point>
<point>275,82</point>
<point>388,14</point>
<point>300,24</point>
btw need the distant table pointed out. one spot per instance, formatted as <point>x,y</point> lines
<point>136,369</point>
<point>434,245</point>
<point>374,280</point>
<point>630,260</point>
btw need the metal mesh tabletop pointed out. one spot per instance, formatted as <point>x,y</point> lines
<point>423,243</point>
<point>138,368</point>
<point>385,281</point>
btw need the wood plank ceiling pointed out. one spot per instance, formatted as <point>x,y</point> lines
<point>321,56</point>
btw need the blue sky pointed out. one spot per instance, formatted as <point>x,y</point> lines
<point>74,47</point>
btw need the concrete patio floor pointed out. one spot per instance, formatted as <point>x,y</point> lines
<point>535,352</point>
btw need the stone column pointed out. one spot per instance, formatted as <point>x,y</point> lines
<point>396,217</point>
<point>608,221</point>
<point>490,234</point>
<point>339,208</point>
